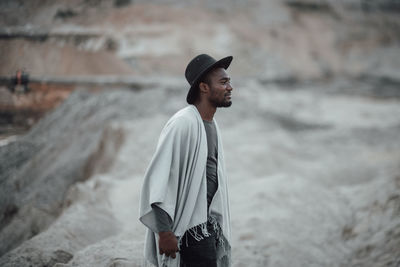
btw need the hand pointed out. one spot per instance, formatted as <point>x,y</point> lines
<point>168,244</point>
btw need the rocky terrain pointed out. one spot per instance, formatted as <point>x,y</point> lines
<point>314,178</point>
<point>274,39</point>
<point>279,40</point>
<point>312,140</point>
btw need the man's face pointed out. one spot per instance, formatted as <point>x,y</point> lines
<point>220,88</point>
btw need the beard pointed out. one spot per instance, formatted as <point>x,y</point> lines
<point>225,104</point>
<point>221,103</point>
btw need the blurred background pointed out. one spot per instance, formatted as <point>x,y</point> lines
<point>312,140</point>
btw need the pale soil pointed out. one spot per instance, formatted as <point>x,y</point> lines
<point>313,177</point>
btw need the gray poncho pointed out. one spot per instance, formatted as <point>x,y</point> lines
<point>176,181</point>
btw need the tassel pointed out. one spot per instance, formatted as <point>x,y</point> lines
<point>198,236</point>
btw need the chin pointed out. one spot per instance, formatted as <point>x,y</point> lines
<point>225,104</point>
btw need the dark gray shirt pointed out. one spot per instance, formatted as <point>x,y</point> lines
<point>212,160</point>
<point>164,222</point>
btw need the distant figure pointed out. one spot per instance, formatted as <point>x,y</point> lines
<point>184,198</point>
<point>21,79</point>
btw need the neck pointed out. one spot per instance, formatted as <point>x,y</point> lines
<point>206,110</point>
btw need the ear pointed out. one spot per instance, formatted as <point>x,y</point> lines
<point>203,87</point>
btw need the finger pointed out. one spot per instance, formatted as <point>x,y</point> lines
<point>173,255</point>
<point>161,251</point>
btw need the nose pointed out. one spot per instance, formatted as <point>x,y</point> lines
<point>229,87</point>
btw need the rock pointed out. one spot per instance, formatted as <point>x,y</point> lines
<point>39,168</point>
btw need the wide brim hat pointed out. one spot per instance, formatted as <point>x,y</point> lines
<point>198,67</point>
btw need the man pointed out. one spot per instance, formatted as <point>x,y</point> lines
<point>184,198</point>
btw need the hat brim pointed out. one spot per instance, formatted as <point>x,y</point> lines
<point>222,63</point>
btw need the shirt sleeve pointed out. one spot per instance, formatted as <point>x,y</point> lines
<point>163,221</point>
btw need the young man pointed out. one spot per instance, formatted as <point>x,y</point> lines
<point>184,198</point>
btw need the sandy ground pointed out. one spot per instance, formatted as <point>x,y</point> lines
<point>313,179</point>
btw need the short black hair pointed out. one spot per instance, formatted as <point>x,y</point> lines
<point>206,78</point>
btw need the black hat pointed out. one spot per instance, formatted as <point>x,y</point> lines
<point>200,66</point>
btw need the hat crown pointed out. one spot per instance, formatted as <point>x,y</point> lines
<point>197,66</point>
